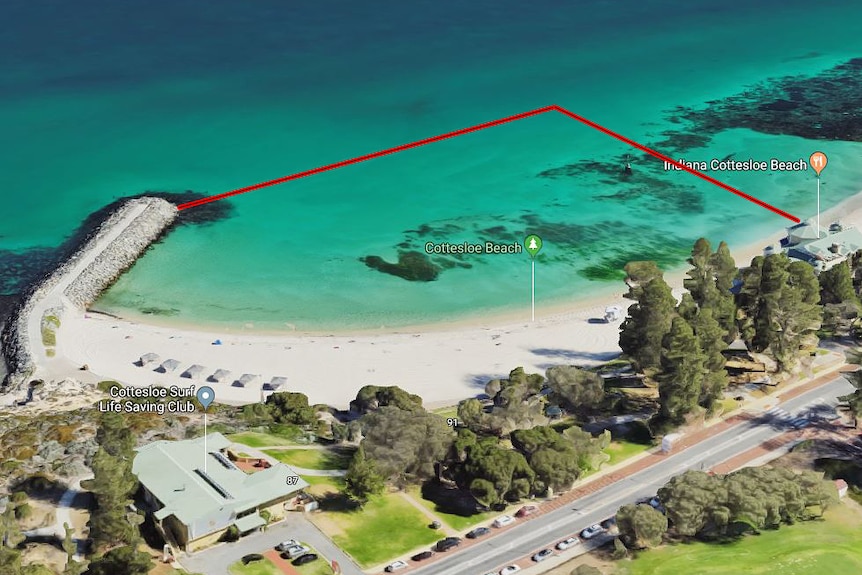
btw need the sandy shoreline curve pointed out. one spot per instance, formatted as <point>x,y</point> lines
<point>443,363</point>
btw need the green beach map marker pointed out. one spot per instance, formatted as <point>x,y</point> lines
<point>533,243</point>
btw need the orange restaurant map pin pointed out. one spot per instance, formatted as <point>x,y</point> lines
<point>818,162</point>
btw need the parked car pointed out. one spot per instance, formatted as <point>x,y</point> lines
<point>246,559</point>
<point>448,543</point>
<point>509,569</point>
<point>478,532</point>
<point>423,556</point>
<point>503,520</point>
<point>567,543</point>
<point>592,531</point>
<point>303,559</point>
<point>395,566</point>
<point>526,510</point>
<point>542,555</point>
<point>285,545</point>
<point>295,551</point>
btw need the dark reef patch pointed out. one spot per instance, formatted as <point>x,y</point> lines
<point>643,183</point>
<point>825,106</point>
<point>412,266</point>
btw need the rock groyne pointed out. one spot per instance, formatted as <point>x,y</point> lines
<point>77,282</point>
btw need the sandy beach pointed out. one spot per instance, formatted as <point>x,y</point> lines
<point>442,363</point>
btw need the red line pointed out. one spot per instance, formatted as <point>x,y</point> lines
<point>476,128</point>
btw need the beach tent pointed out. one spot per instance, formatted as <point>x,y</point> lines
<point>148,358</point>
<point>220,376</point>
<point>247,380</point>
<point>275,383</point>
<point>217,342</point>
<point>194,372</point>
<point>168,365</point>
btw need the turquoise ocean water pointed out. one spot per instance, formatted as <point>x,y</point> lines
<point>102,100</point>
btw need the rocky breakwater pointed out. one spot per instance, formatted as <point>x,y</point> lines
<point>113,248</point>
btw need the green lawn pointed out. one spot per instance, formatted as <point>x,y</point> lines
<point>319,567</point>
<point>386,527</point>
<point>257,439</point>
<point>620,450</point>
<point>313,458</point>
<point>264,567</point>
<point>456,522</point>
<point>447,412</point>
<point>830,546</point>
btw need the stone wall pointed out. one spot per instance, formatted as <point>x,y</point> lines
<point>119,255</point>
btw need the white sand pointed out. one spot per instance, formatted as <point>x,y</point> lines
<point>443,364</point>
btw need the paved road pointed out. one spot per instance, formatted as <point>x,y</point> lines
<point>546,529</point>
<point>215,561</point>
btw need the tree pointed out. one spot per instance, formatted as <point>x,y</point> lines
<point>371,397</point>
<point>471,413</point>
<point>647,323</point>
<point>362,479</point>
<point>291,407</point>
<point>682,375</point>
<point>578,389</point>
<point>114,435</point>
<point>641,526</point>
<point>836,285</point>
<point>405,445</point>
<point>710,337</point>
<point>126,560</point>
<point>781,313</point>
<point>854,400</point>
<point>110,522</point>
<point>700,275</point>
<point>495,474</point>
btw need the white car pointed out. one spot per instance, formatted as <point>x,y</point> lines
<point>395,566</point>
<point>592,531</point>
<point>296,551</point>
<point>566,543</point>
<point>509,569</point>
<point>285,545</point>
<point>503,520</point>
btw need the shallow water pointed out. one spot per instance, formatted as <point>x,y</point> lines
<point>103,102</point>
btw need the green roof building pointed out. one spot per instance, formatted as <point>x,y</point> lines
<point>197,492</point>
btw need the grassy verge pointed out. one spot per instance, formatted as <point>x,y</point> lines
<point>453,520</point>
<point>263,567</point>
<point>313,458</point>
<point>258,439</point>
<point>829,546</point>
<point>387,526</point>
<point>622,450</point>
<point>447,412</point>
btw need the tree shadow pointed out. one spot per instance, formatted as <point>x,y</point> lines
<point>573,355</point>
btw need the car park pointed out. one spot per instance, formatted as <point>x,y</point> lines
<point>423,556</point>
<point>542,555</point>
<point>395,566</point>
<point>448,543</point>
<point>503,520</point>
<point>285,545</point>
<point>526,510</point>
<point>303,559</point>
<point>567,543</point>
<point>509,569</point>
<point>592,531</point>
<point>478,532</point>
<point>295,551</point>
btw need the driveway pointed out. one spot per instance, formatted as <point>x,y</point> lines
<point>216,560</point>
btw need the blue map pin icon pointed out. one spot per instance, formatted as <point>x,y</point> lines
<point>206,396</point>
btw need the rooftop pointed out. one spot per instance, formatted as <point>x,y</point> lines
<point>192,479</point>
